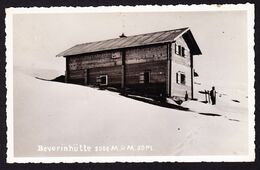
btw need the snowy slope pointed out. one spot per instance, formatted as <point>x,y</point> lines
<point>52,113</point>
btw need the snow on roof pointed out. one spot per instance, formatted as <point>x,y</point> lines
<point>128,41</point>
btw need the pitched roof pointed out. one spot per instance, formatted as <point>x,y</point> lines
<point>129,41</point>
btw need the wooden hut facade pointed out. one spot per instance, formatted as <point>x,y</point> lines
<point>159,63</point>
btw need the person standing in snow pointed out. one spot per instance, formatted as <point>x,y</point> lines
<point>186,96</point>
<point>213,95</point>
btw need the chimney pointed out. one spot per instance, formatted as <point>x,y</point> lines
<point>122,35</point>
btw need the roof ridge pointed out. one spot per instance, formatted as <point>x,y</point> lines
<point>132,36</point>
<point>161,31</point>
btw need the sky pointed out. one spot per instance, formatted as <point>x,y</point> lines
<point>221,36</point>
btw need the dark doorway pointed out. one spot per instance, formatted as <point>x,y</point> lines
<point>147,77</point>
<point>86,76</point>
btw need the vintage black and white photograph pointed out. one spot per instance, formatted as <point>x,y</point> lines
<point>138,84</point>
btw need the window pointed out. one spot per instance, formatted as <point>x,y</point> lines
<point>179,50</point>
<point>144,77</point>
<point>180,78</point>
<point>102,80</point>
<point>115,55</point>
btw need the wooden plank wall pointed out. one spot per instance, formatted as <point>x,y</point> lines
<point>137,60</point>
<point>146,54</point>
<point>95,64</point>
<point>152,59</point>
<point>143,59</point>
<point>113,73</point>
<point>157,72</point>
<point>102,59</point>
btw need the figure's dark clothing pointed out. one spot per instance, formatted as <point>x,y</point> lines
<point>186,96</point>
<point>213,96</point>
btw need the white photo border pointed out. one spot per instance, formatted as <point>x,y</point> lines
<point>148,8</point>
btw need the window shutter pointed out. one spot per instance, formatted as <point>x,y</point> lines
<point>141,77</point>
<point>176,49</point>
<point>98,80</point>
<point>179,49</point>
<point>179,78</point>
<point>186,52</point>
<point>183,52</point>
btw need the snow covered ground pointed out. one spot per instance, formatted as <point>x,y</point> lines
<point>56,114</point>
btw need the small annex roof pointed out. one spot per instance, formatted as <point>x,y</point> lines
<point>133,41</point>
